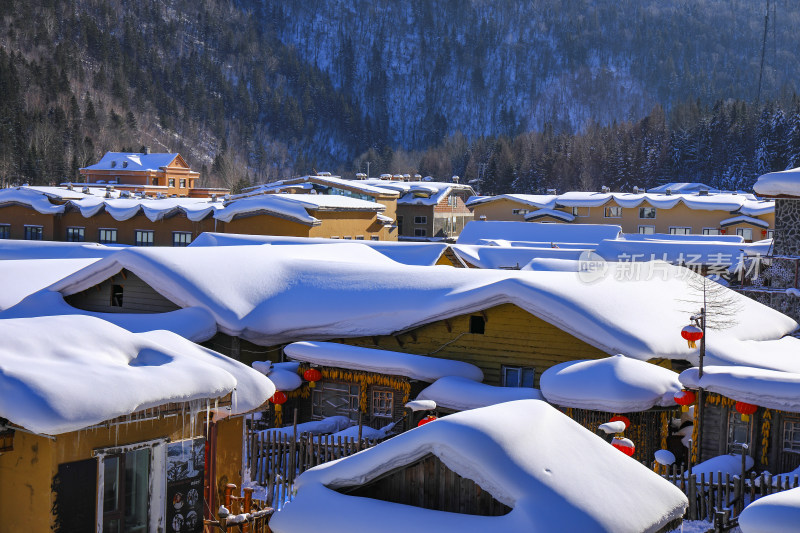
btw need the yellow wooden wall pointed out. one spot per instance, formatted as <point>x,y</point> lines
<point>512,337</point>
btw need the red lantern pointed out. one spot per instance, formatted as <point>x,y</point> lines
<point>746,409</point>
<point>312,375</point>
<point>429,418</point>
<point>692,334</point>
<point>685,398</point>
<point>763,233</point>
<point>621,418</point>
<point>278,399</point>
<point>723,231</point>
<point>624,445</point>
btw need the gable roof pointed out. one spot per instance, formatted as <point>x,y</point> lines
<point>483,231</point>
<point>134,162</point>
<point>553,473</point>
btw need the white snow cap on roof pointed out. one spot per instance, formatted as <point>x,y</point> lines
<point>16,249</point>
<point>616,384</point>
<point>512,257</point>
<point>460,394</point>
<point>478,231</point>
<point>772,389</point>
<point>775,513</point>
<point>784,183</point>
<point>554,474</point>
<point>412,366</point>
<point>276,294</point>
<point>132,161</point>
<point>19,278</point>
<point>86,371</point>
<point>30,198</point>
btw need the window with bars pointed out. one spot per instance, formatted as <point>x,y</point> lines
<point>107,236</point>
<point>33,233</point>
<point>335,399</point>
<point>791,435</point>
<point>76,234</point>
<point>144,237</point>
<point>181,238</point>
<point>382,403</point>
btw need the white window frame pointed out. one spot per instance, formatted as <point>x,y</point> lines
<point>791,435</point>
<point>712,231</point>
<point>680,230</point>
<point>521,371</point>
<point>742,233</point>
<point>421,219</point>
<point>178,242</point>
<point>612,209</point>
<point>148,232</point>
<point>170,182</point>
<point>106,241</point>
<point>644,227</point>
<point>182,183</point>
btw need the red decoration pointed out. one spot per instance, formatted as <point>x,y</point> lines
<point>723,231</point>
<point>621,418</point>
<point>429,418</point>
<point>278,399</point>
<point>685,398</point>
<point>692,334</point>
<point>312,375</point>
<point>624,445</point>
<point>746,409</point>
<point>763,233</point>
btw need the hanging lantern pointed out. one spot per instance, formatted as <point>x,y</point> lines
<point>685,398</point>
<point>429,418</point>
<point>624,445</point>
<point>763,233</point>
<point>621,418</point>
<point>692,334</point>
<point>723,231</point>
<point>278,399</point>
<point>312,375</point>
<point>746,409</point>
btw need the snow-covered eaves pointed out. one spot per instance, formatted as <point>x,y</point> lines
<point>541,213</point>
<point>508,257</point>
<point>29,198</point>
<point>743,219</point>
<point>124,161</point>
<point>19,249</point>
<point>554,474</point>
<point>23,277</point>
<point>336,182</point>
<point>86,371</point>
<point>459,394</point>
<point>681,252</point>
<point>482,231</point>
<point>420,192</point>
<point>772,389</point>
<point>779,184</point>
<point>412,366</point>
<point>616,384</point>
<point>683,188</point>
<point>276,294</point>
<point>539,201</point>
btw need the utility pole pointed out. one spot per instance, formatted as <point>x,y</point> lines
<point>763,51</point>
<point>367,169</point>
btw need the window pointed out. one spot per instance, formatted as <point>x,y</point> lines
<point>76,234</point>
<point>452,201</point>
<point>144,237</point>
<point>710,231</point>
<point>747,233</point>
<point>183,183</point>
<point>420,220</point>
<point>348,237</point>
<point>679,231</point>
<point>334,237</point>
<point>374,238</point>
<point>5,231</point>
<point>335,399</point>
<point>518,376</point>
<point>612,212</point>
<point>580,211</point>
<point>791,435</point>
<point>154,181</point>
<point>108,236</point>
<point>116,295</point>
<point>33,233</point>
<point>383,403</point>
<point>519,211</point>
<point>647,230</point>
<point>399,225</point>
<point>181,238</point>
<point>738,432</point>
<point>171,182</point>
<point>420,232</point>
<point>359,237</point>
<point>770,233</point>
<point>125,491</point>
<point>647,212</point>
<point>477,324</point>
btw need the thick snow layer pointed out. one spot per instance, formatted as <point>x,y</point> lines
<point>29,198</point>
<point>276,294</point>
<point>551,264</point>
<point>772,389</point>
<point>460,394</point>
<point>332,424</point>
<point>540,201</point>
<point>681,252</point>
<point>744,219</point>
<point>773,354</point>
<point>16,249</point>
<point>541,213</point>
<point>776,513</point>
<point>413,366</point>
<point>617,426</point>
<point>510,257</point>
<point>86,370</point>
<point>785,183</point>
<point>682,238</point>
<point>366,432</point>
<point>20,278</point>
<point>616,384</point>
<point>421,405</point>
<point>193,323</point>
<point>478,231</point>
<point>721,465</point>
<point>554,474</point>
<point>126,161</point>
<point>683,188</point>
<point>407,253</point>
<point>284,379</point>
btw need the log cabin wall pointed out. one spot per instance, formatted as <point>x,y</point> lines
<point>124,292</point>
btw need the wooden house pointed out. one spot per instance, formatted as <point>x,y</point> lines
<point>510,467</point>
<point>104,430</point>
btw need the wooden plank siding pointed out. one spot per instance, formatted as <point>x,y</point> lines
<point>137,296</point>
<point>512,337</point>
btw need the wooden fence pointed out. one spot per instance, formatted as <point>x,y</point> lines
<point>246,515</point>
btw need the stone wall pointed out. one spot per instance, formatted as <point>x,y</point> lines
<point>787,227</point>
<point>779,300</point>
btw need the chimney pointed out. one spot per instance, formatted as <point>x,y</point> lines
<point>669,192</point>
<point>146,150</point>
<point>552,192</point>
<point>702,192</point>
<point>636,189</point>
<point>605,190</point>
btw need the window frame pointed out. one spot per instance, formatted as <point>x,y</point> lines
<point>576,211</point>
<point>139,232</point>
<point>794,431</point>
<point>379,408</point>
<point>420,219</point>
<point>100,238</point>
<point>40,232</point>
<point>673,230</point>
<point>72,229</point>
<point>5,231</point>
<point>519,212</point>
<point>646,226</point>
<point>171,182</point>
<point>182,183</point>
<point>742,233</point>
<point>179,243</point>
<point>352,396</point>
<point>420,232</point>
<point>614,209</point>
<point>712,231</point>
<point>770,234</point>
<point>734,419</point>
<point>648,209</point>
<point>374,237</point>
<point>521,372</point>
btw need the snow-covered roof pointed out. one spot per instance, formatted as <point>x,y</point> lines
<point>275,294</point>
<point>125,161</point>
<point>283,375</point>
<point>552,213</point>
<point>687,252</point>
<point>510,257</point>
<point>413,366</point>
<point>784,183</point>
<point>86,371</point>
<point>616,384</point>
<point>772,389</point>
<point>744,219</point>
<point>554,474</point>
<point>420,192</point>
<point>20,249</point>
<point>459,394</point>
<point>683,238</point>
<point>541,201</point>
<point>407,253</point>
<point>774,513</point>
<point>293,206</point>
<point>121,209</point>
<point>683,188</point>
<point>482,231</point>
<point>318,202</point>
<point>29,198</point>
<point>23,277</point>
<point>331,181</point>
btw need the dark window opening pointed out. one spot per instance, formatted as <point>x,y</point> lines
<point>116,295</point>
<point>477,324</point>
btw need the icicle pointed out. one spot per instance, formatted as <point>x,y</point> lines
<point>208,417</point>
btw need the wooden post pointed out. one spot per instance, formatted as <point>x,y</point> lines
<point>248,503</point>
<point>360,428</point>
<point>692,496</point>
<point>292,450</point>
<point>229,495</point>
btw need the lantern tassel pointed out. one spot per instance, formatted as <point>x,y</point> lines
<point>745,418</point>
<point>684,408</point>
<point>692,344</point>
<point>312,384</point>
